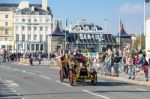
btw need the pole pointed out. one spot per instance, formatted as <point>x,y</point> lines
<point>66,34</point>
<point>144,17</point>
<point>119,30</point>
<point>105,21</point>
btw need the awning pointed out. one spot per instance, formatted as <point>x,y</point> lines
<point>84,38</point>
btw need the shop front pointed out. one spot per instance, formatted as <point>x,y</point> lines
<point>93,41</point>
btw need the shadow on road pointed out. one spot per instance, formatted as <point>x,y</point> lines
<point>36,94</point>
<point>121,91</point>
<point>107,83</point>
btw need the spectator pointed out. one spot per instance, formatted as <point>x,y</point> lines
<point>145,68</point>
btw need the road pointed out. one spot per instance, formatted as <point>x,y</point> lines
<point>41,82</point>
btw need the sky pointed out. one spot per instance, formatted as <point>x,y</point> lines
<point>96,11</point>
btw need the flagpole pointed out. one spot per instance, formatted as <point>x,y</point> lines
<point>119,30</point>
<point>144,17</point>
<point>65,33</point>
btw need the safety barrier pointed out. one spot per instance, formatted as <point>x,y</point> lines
<point>24,60</point>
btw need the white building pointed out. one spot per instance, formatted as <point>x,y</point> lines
<point>32,24</point>
<point>147,38</point>
<point>88,36</point>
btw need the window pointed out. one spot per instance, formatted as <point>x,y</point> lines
<point>3,46</point>
<point>6,23</point>
<point>29,28</point>
<point>94,29</point>
<point>23,28</point>
<point>6,31</point>
<point>41,28</point>
<point>6,16</point>
<point>23,37</point>
<point>37,47</point>
<point>6,39</point>
<point>41,38</point>
<point>23,20</point>
<point>41,47</point>
<point>35,20</point>
<point>32,47</point>
<point>29,37</point>
<point>17,37</point>
<point>28,47</point>
<point>9,47</point>
<point>86,29</point>
<point>29,20</point>
<point>35,37</point>
<point>35,28</point>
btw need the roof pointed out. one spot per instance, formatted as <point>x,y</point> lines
<point>58,31</point>
<point>11,6</point>
<point>7,6</point>
<point>107,39</point>
<point>123,33</point>
<point>90,26</point>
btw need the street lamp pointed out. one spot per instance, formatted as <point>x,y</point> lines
<point>105,22</point>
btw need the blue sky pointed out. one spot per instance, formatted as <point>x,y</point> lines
<point>95,11</point>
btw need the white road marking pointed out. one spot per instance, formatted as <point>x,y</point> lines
<point>140,89</point>
<point>8,81</point>
<point>14,85</point>
<point>45,77</point>
<point>11,83</point>
<point>14,91</point>
<point>98,95</point>
<point>15,69</point>
<point>30,73</point>
<point>18,94</point>
<point>63,83</point>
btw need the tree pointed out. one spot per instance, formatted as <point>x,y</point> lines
<point>136,43</point>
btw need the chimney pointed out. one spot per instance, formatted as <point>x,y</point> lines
<point>44,4</point>
<point>23,4</point>
<point>32,8</point>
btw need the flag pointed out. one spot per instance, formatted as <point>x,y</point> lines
<point>147,1</point>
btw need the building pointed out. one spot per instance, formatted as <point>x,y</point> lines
<point>133,39</point>
<point>88,36</point>
<point>57,39</point>
<point>123,38</point>
<point>7,26</point>
<point>147,38</point>
<point>32,25</point>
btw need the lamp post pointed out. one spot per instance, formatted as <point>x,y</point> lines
<point>105,22</point>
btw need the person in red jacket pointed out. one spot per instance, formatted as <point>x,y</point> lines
<point>145,68</point>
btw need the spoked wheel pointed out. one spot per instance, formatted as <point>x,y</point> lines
<point>70,77</point>
<point>61,74</point>
<point>94,80</point>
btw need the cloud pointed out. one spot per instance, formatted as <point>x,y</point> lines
<point>131,8</point>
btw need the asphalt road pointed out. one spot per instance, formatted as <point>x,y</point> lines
<point>42,82</point>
